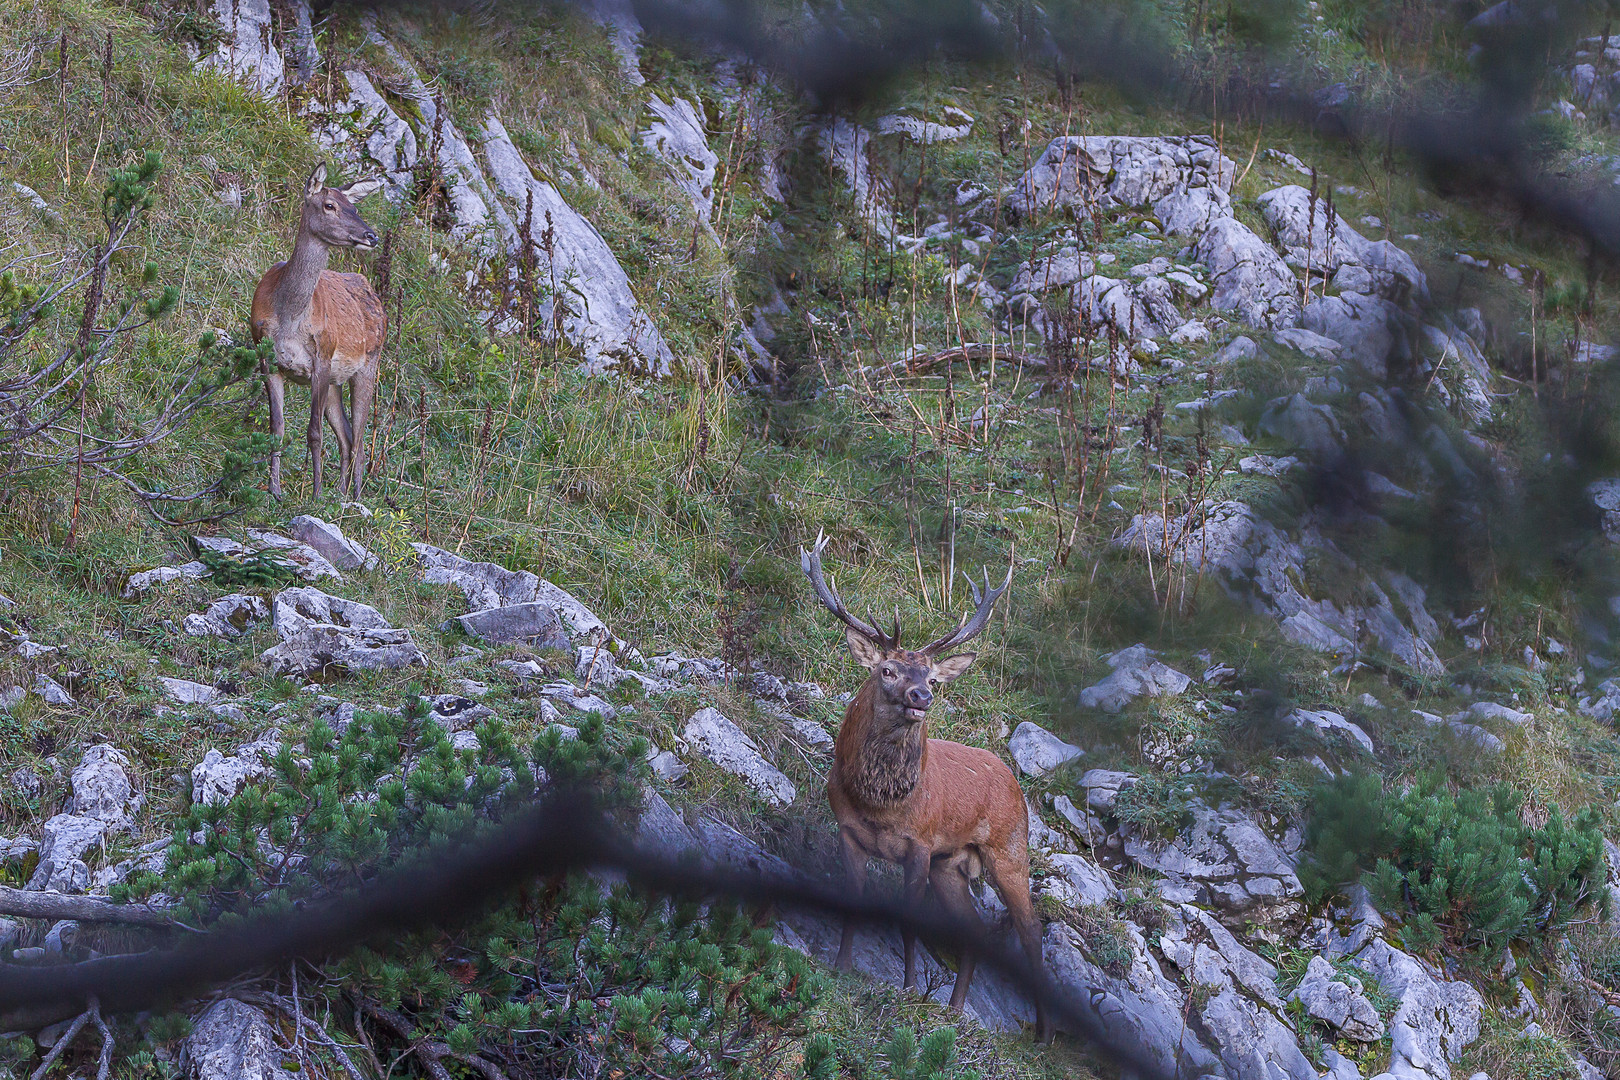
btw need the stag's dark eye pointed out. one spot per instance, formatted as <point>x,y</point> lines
<point>933,682</point>
<point>888,673</point>
<point>331,206</point>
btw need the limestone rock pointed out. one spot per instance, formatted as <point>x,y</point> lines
<point>1257,563</point>
<point>1086,172</point>
<point>1326,722</point>
<point>676,134</point>
<point>186,692</point>
<point>234,1041</point>
<point>216,778</point>
<point>295,611</point>
<point>602,315</point>
<point>334,547</point>
<point>1079,881</point>
<point>1374,332</point>
<point>53,692</point>
<point>1222,859</point>
<point>536,624</point>
<point>102,789</point>
<point>1435,1019</point>
<point>336,650</point>
<point>1303,425</point>
<point>1251,281</point>
<point>65,840</point>
<point>484,584</point>
<point>1037,751</point>
<point>1135,674</point>
<point>1309,238</point>
<point>247,52</point>
<point>1253,1042</point>
<point>1339,1001</point>
<point>228,617</point>
<point>1140,1007</point>
<point>711,734</point>
<point>455,713</point>
<point>140,582</point>
<point>926,132</point>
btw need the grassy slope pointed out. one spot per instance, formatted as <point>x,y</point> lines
<point>607,488</point>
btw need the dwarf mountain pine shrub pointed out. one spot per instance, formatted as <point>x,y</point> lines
<point>569,979</point>
<point>1462,864</point>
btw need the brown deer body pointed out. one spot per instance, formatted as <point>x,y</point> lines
<point>328,329</point>
<point>942,811</point>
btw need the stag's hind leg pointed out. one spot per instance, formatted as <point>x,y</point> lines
<point>855,877</point>
<point>1010,878</point>
<point>916,868</point>
<point>951,887</point>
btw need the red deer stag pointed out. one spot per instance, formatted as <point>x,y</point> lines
<point>941,810</point>
<point>328,329</point>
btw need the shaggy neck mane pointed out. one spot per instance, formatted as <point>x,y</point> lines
<point>879,753</point>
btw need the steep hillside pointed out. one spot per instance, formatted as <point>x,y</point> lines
<point>1298,448</point>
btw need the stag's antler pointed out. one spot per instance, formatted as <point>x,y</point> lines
<point>970,627</point>
<point>810,563</point>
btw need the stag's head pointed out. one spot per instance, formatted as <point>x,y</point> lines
<point>329,213</point>
<point>905,679</point>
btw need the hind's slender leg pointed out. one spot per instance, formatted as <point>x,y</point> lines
<point>362,390</point>
<point>276,389</point>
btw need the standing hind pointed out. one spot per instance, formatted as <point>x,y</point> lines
<point>328,329</point>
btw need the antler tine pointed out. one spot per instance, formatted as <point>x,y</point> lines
<point>983,603</point>
<point>810,563</point>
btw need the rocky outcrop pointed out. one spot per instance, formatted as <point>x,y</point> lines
<point>1084,174</point>
<point>710,733</point>
<point>535,624</point>
<point>329,541</point>
<point>1339,1001</point>
<point>676,134</point>
<point>321,633</point>
<point>1257,563</point>
<point>1135,674</point>
<point>1221,859</point>
<point>488,586</point>
<point>228,617</point>
<point>600,312</point>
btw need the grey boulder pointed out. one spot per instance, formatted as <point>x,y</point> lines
<point>1339,1001</point>
<point>329,541</point>
<point>1037,751</point>
<point>536,624</point>
<point>710,733</point>
<point>101,788</point>
<point>1135,674</point>
<point>228,617</point>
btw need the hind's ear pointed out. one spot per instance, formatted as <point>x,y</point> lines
<point>317,180</point>
<point>355,190</point>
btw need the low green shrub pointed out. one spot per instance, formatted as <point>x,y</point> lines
<point>1462,864</point>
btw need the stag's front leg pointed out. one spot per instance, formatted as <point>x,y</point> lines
<point>276,389</point>
<point>855,877</point>
<point>916,868</point>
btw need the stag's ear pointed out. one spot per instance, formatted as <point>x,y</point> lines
<point>355,190</point>
<point>863,649</point>
<point>317,180</point>
<point>952,667</point>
